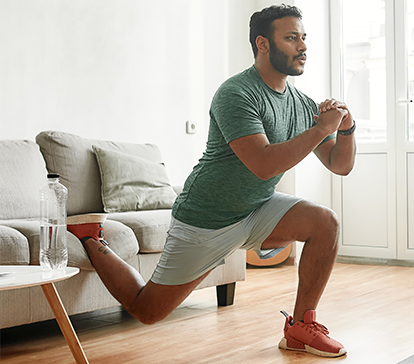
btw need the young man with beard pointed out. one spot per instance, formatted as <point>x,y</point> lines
<point>261,126</point>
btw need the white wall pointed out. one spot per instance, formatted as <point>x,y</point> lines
<point>132,70</point>
<point>125,70</point>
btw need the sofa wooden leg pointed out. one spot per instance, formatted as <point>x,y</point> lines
<point>225,294</point>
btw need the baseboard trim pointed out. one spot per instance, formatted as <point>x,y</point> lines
<point>374,261</point>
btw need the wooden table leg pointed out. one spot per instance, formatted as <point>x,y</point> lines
<point>64,323</point>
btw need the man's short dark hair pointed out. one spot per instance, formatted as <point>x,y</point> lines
<point>261,22</point>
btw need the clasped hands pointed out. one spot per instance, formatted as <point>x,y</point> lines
<point>334,115</point>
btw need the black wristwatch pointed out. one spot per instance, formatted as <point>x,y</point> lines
<point>349,131</point>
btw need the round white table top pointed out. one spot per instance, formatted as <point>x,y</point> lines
<point>20,276</point>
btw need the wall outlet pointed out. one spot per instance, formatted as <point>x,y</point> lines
<point>191,127</point>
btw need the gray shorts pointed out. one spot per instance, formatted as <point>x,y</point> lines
<point>190,251</point>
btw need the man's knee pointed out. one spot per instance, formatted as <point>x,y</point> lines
<point>330,218</point>
<point>320,219</point>
<point>156,301</point>
<point>146,314</point>
<point>328,223</point>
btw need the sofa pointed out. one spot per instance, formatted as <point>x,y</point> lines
<point>126,181</point>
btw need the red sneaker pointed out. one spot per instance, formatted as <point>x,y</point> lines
<point>309,336</point>
<point>89,226</point>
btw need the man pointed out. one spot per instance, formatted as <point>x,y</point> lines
<point>260,127</point>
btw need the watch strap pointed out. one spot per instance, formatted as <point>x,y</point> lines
<point>349,131</point>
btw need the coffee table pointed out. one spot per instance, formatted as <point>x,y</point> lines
<point>18,276</point>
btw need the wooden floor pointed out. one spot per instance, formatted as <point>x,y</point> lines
<point>370,309</point>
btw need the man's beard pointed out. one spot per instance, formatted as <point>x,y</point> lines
<point>279,60</point>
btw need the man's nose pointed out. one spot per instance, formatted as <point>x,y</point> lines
<point>302,46</point>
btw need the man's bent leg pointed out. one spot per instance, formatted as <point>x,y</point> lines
<point>149,302</point>
<point>318,227</point>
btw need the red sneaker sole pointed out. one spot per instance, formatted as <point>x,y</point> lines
<point>290,344</point>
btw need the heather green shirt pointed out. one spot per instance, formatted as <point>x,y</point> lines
<point>221,190</point>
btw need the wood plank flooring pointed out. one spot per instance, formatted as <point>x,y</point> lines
<point>370,309</point>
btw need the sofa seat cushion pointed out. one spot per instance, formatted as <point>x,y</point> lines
<point>23,174</point>
<point>30,229</point>
<point>120,238</point>
<point>150,227</point>
<point>14,247</point>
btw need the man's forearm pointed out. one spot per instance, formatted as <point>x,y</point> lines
<point>267,160</point>
<point>342,156</point>
<point>339,155</point>
<point>283,156</point>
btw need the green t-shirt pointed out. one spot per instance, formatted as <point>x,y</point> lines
<point>221,190</point>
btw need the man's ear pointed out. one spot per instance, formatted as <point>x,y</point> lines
<point>262,44</point>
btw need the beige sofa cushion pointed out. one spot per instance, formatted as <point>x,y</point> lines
<point>150,227</point>
<point>73,158</point>
<point>120,238</point>
<point>22,175</point>
<point>14,247</point>
<point>131,183</point>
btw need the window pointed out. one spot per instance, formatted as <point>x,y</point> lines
<point>364,67</point>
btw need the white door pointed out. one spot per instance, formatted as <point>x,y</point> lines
<point>371,72</point>
<point>405,128</point>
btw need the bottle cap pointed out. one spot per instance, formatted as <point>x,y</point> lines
<point>53,175</point>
